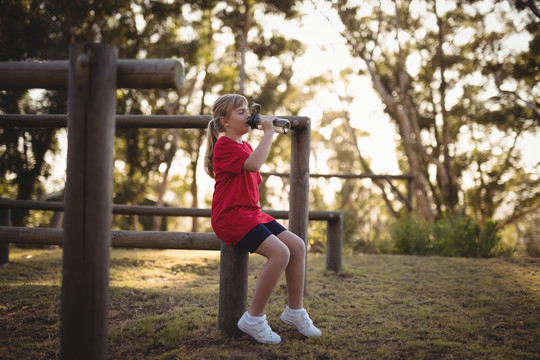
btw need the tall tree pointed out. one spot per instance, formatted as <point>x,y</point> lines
<point>417,57</point>
<point>143,29</point>
<point>40,30</point>
<point>393,83</point>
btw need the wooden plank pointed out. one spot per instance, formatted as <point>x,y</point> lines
<point>299,186</point>
<point>119,238</point>
<point>34,74</point>
<point>129,121</point>
<point>33,120</point>
<point>299,182</point>
<point>407,176</point>
<point>4,247</point>
<point>150,74</point>
<point>165,240</point>
<point>53,75</point>
<point>233,287</point>
<point>88,201</point>
<point>149,210</point>
<point>334,235</point>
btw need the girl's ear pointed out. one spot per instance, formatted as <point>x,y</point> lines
<point>223,120</point>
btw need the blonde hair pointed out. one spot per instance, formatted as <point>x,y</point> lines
<point>223,107</point>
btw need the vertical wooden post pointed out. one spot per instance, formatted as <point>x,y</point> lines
<point>299,180</point>
<point>88,201</point>
<point>233,285</point>
<point>334,234</point>
<point>4,247</point>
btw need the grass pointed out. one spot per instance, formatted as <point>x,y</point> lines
<point>163,305</point>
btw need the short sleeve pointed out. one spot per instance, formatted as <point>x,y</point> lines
<point>229,156</point>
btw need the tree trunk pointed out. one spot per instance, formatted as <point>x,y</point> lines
<point>403,112</point>
<point>194,184</point>
<point>366,168</point>
<point>169,157</point>
<point>446,179</point>
<point>410,143</point>
<point>244,45</point>
<point>33,162</point>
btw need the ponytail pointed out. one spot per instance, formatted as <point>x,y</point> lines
<point>223,107</point>
<point>213,135</point>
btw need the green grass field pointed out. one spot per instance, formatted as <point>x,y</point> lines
<point>163,305</point>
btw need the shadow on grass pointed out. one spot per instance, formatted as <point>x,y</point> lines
<point>164,306</point>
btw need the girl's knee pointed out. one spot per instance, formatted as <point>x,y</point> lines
<point>279,260</point>
<point>283,256</point>
<point>275,251</point>
<point>300,250</point>
<point>297,246</point>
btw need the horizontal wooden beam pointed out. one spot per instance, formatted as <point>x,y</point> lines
<point>119,238</point>
<point>407,176</point>
<point>146,210</point>
<point>53,75</point>
<point>129,121</point>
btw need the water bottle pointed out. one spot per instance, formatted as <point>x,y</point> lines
<point>281,126</point>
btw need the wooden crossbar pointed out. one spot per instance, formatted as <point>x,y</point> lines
<point>130,121</point>
<point>119,238</point>
<point>148,210</point>
<point>53,75</point>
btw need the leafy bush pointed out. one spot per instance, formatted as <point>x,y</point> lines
<point>490,242</point>
<point>317,237</point>
<point>456,234</point>
<point>411,236</point>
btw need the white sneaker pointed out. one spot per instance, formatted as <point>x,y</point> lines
<point>261,331</point>
<point>302,322</point>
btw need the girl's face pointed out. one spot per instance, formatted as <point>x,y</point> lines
<point>236,124</point>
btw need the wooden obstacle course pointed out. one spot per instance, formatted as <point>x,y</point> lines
<point>91,76</point>
<point>160,239</point>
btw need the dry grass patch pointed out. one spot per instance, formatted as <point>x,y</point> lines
<point>163,305</point>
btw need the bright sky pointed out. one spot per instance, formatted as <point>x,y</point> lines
<point>326,53</point>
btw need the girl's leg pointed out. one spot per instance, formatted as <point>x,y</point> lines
<point>295,314</point>
<point>278,255</point>
<point>296,269</point>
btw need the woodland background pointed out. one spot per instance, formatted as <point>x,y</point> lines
<point>451,76</point>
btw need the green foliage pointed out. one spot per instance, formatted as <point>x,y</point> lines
<point>457,235</point>
<point>495,86</point>
<point>490,241</point>
<point>454,235</point>
<point>411,236</point>
<point>317,237</point>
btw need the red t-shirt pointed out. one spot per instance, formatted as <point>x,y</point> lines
<point>235,204</point>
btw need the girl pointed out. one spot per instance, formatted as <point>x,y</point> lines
<point>237,218</point>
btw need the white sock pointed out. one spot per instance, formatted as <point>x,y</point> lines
<point>294,312</point>
<point>252,320</point>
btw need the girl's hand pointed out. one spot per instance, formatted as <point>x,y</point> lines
<point>256,159</point>
<point>267,122</point>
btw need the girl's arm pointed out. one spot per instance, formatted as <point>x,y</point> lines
<point>257,158</point>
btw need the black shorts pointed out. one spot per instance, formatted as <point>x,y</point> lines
<point>254,238</point>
